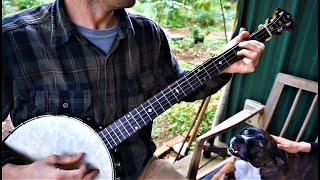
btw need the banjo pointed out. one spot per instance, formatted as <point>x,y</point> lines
<point>45,131</point>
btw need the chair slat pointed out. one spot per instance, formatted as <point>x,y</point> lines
<point>306,121</point>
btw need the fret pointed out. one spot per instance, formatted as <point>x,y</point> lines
<point>119,128</point>
<point>129,124</point>
<point>155,96</point>
<point>107,131</point>
<point>205,72</point>
<point>185,86</point>
<point>132,117</point>
<point>170,96</point>
<point>166,98</point>
<point>164,103</point>
<point>156,105</point>
<point>112,127</point>
<point>225,59</point>
<point>173,92</point>
<point>201,76</point>
<point>235,52</point>
<point>214,63</point>
<point>198,78</point>
<point>102,135</point>
<point>124,127</point>
<point>140,116</point>
<point>189,82</point>
<point>181,90</point>
<point>152,107</point>
<point>149,111</point>
<point>254,36</point>
<point>144,115</point>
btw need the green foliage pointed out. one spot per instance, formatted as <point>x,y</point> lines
<point>12,6</point>
<point>5,7</point>
<point>187,65</point>
<point>202,4</point>
<point>195,31</point>
<point>180,116</point>
<point>24,4</point>
<point>166,13</point>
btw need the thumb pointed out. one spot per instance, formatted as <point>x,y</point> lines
<point>65,159</point>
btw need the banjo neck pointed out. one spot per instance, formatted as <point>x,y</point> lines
<point>142,115</point>
<point>132,122</point>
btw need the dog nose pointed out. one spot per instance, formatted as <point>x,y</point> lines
<point>239,139</point>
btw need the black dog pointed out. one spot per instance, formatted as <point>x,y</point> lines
<point>258,157</point>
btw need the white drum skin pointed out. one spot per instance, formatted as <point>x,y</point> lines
<point>43,136</point>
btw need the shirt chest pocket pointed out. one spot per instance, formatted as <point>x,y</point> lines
<point>63,102</point>
<point>75,103</point>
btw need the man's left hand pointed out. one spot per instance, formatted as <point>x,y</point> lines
<point>251,51</point>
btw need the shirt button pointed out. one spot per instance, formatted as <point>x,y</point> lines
<point>65,105</point>
<point>88,119</point>
<point>117,164</point>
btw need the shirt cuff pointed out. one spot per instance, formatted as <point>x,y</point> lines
<point>314,148</point>
<point>9,156</point>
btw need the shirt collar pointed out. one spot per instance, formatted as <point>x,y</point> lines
<point>63,28</point>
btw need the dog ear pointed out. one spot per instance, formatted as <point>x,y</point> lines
<point>281,160</point>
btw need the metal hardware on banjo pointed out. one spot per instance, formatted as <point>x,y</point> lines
<point>45,135</point>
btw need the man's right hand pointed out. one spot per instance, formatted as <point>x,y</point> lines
<point>292,146</point>
<point>48,168</point>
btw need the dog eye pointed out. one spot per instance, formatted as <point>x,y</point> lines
<point>246,131</point>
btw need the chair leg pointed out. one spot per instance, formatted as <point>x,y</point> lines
<point>210,147</point>
<point>206,152</point>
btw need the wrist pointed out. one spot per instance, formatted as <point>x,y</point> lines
<point>304,147</point>
<point>11,171</point>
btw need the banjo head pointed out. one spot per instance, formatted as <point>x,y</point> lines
<point>43,136</point>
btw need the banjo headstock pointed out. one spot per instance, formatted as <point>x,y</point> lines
<point>279,22</point>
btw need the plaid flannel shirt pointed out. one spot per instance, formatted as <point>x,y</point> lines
<point>47,65</point>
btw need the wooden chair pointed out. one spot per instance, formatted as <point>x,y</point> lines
<point>264,113</point>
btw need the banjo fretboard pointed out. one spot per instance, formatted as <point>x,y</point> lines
<point>142,115</point>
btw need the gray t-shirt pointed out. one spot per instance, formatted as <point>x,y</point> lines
<point>103,39</point>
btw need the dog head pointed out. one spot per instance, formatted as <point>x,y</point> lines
<point>259,148</point>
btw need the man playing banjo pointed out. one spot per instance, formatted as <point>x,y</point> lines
<point>93,60</point>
